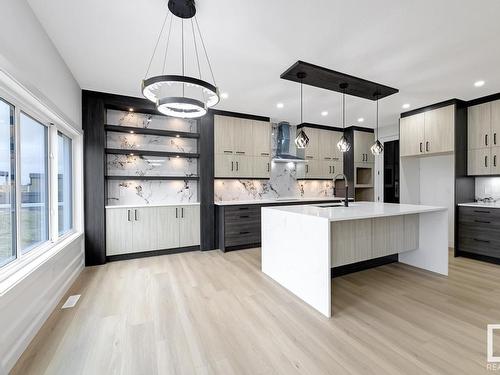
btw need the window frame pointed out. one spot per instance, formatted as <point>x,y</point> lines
<point>17,96</point>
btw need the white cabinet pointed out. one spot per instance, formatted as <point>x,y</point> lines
<point>363,141</point>
<point>495,123</point>
<point>261,166</point>
<point>140,229</point>
<point>479,162</point>
<point>189,225</point>
<point>428,133</point>
<point>310,170</point>
<point>237,142</point>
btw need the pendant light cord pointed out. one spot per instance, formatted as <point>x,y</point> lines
<point>156,45</point>
<point>168,43</point>
<point>343,109</point>
<point>301,110</point>
<point>205,49</point>
<point>182,42</point>
<point>377,117</point>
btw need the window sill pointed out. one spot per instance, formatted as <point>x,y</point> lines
<point>16,271</point>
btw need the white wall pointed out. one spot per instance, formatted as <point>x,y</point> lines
<point>27,53</point>
<point>28,56</point>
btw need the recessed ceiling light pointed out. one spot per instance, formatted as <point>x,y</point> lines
<point>405,106</point>
<point>224,95</point>
<point>361,119</point>
<point>131,109</point>
<point>479,83</point>
<point>131,154</point>
<point>177,136</point>
<point>131,132</point>
<point>324,113</point>
<point>280,105</point>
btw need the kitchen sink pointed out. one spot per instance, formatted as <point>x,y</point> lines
<point>329,205</point>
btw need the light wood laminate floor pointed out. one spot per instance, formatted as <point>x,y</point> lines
<point>216,313</point>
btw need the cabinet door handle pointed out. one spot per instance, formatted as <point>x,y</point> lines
<point>494,160</point>
<point>421,147</point>
<point>176,213</point>
<point>268,167</point>
<point>330,169</point>
<point>333,168</point>
<point>135,215</point>
<point>427,146</point>
<point>237,166</point>
<point>232,166</point>
<point>128,215</point>
<point>264,153</point>
<point>478,240</point>
<point>486,139</point>
<point>307,168</point>
<point>486,161</point>
<point>182,212</point>
<point>482,221</point>
<point>240,152</point>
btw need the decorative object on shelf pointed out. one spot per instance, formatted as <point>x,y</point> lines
<point>302,139</point>
<point>377,147</point>
<point>181,95</point>
<point>343,145</point>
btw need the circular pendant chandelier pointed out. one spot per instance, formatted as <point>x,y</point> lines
<point>180,95</point>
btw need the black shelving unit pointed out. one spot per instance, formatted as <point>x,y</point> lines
<point>169,154</point>
<point>148,131</point>
<point>153,178</point>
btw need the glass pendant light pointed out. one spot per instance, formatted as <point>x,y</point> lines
<point>377,147</point>
<point>302,139</point>
<point>181,95</point>
<point>343,145</point>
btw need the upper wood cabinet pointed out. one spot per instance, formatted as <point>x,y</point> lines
<point>312,149</point>
<point>479,126</point>
<point>237,144</point>
<point>328,145</point>
<point>428,133</point>
<point>440,130</point>
<point>483,128</point>
<point>363,141</point>
<point>412,137</point>
<point>261,138</point>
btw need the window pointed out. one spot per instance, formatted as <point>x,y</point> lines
<point>7,187</point>
<point>34,214</point>
<point>64,184</point>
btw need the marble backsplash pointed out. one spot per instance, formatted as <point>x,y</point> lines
<point>488,187</point>
<point>126,141</point>
<point>127,165</point>
<point>150,192</point>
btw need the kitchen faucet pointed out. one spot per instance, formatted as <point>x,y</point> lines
<point>346,201</point>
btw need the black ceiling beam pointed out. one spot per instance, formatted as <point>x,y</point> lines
<point>328,79</point>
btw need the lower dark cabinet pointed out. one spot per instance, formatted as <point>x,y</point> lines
<point>479,232</point>
<point>238,226</point>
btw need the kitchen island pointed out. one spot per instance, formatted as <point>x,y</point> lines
<point>301,244</point>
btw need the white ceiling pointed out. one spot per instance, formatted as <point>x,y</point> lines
<point>430,50</point>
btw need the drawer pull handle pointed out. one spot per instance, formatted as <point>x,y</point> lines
<point>243,208</point>
<point>246,232</point>
<point>478,240</point>
<point>264,153</point>
<point>244,217</point>
<point>228,152</point>
<point>240,152</point>
<point>482,211</point>
<point>483,221</point>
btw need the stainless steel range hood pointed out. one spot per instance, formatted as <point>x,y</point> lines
<point>286,151</point>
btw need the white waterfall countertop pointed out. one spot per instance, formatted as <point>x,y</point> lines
<point>277,200</point>
<point>356,210</point>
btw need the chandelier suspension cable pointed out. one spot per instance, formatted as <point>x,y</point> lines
<point>205,49</point>
<point>301,105</point>
<point>156,45</point>
<point>377,115</point>
<point>343,108</point>
<point>182,42</point>
<point>168,43</point>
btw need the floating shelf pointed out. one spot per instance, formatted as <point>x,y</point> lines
<point>328,79</point>
<point>119,151</point>
<point>148,131</point>
<point>152,178</point>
